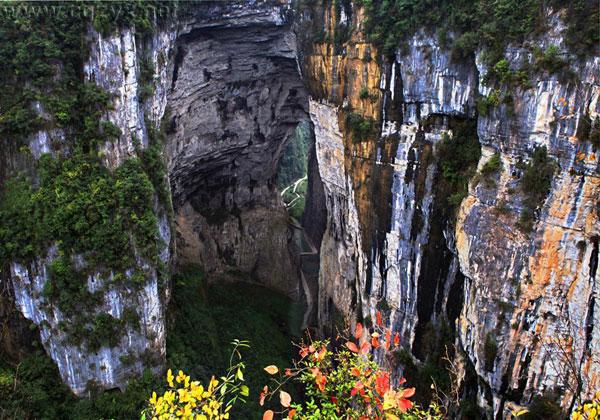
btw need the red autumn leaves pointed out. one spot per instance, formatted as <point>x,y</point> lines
<point>348,384</point>
<point>364,347</point>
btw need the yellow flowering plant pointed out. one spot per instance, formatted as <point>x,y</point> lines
<point>588,411</point>
<point>187,399</point>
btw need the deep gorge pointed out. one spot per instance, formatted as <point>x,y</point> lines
<point>453,190</point>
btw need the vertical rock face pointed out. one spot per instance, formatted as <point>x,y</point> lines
<point>114,64</point>
<point>534,293</point>
<point>235,99</point>
<point>225,81</point>
<point>519,302</point>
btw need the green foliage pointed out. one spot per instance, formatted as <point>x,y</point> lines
<point>486,24</point>
<point>544,408</point>
<point>535,184</point>
<point>589,130</point>
<point>360,127</point>
<point>491,168</point>
<point>85,210</point>
<point>582,17</point>
<point>207,318</point>
<point>458,156</point>
<point>485,103</point>
<point>550,59</point>
<point>295,201</point>
<point>364,93</point>
<point>33,389</point>
<point>84,207</point>
<point>490,350</point>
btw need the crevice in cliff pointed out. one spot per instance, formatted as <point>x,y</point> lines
<point>436,279</point>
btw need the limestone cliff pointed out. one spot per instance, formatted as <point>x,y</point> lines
<point>236,96</point>
<point>221,85</point>
<point>393,242</point>
<point>113,64</point>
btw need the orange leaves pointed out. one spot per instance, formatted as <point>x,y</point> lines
<point>388,338</point>
<point>402,401</point>
<point>305,351</point>
<point>320,379</point>
<point>271,369</point>
<point>352,347</point>
<point>285,399</point>
<point>382,382</point>
<point>358,331</point>
<point>364,348</point>
<point>320,355</point>
<point>263,395</point>
<point>268,415</point>
<point>344,381</point>
<point>358,386</point>
<point>375,340</point>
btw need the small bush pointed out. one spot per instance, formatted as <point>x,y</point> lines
<point>490,349</point>
<point>360,127</point>
<point>364,93</point>
<point>535,185</point>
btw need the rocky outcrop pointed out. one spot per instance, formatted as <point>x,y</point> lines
<point>533,294</point>
<point>518,301</point>
<point>235,99</point>
<point>114,64</point>
<point>224,82</point>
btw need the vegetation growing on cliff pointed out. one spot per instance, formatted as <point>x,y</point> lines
<point>490,25</point>
<point>535,184</point>
<point>361,127</point>
<point>98,220</point>
<point>202,322</point>
<point>458,156</point>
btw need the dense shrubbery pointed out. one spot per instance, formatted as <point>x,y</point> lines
<point>360,127</point>
<point>336,383</point>
<point>458,157</point>
<point>535,184</point>
<point>202,322</point>
<point>482,23</point>
<point>205,319</point>
<point>187,399</point>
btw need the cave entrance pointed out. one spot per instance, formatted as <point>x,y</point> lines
<point>292,172</point>
<point>295,182</point>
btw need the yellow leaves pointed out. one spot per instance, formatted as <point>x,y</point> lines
<point>272,369</point>
<point>189,399</point>
<point>170,378</point>
<point>389,400</point>
<point>285,399</point>
<point>588,411</point>
<point>268,415</point>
